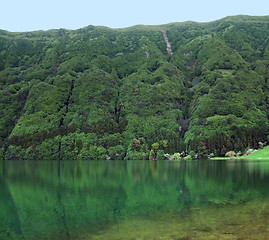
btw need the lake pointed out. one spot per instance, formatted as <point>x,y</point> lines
<point>134,200</point>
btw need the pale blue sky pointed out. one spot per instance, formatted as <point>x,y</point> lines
<point>29,15</point>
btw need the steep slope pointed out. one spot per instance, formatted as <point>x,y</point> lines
<point>98,93</point>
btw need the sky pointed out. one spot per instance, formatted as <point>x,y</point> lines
<point>31,15</point>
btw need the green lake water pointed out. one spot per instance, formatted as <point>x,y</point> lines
<point>134,200</point>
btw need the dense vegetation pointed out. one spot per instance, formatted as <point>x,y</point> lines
<point>98,93</point>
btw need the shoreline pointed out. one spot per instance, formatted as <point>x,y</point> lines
<point>260,154</point>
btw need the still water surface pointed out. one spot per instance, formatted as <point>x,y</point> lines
<point>134,200</point>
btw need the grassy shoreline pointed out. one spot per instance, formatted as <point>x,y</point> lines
<point>261,154</point>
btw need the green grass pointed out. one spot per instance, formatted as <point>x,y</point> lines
<point>260,154</point>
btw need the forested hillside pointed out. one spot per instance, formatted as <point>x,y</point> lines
<point>135,93</point>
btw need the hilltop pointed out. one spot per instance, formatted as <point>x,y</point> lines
<point>135,93</point>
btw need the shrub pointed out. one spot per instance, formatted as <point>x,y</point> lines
<point>249,151</point>
<point>136,144</point>
<point>167,156</point>
<point>160,155</point>
<point>177,156</point>
<point>239,153</point>
<point>2,153</point>
<point>188,157</point>
<point>211,155</point>
<point>133,155</point>
<point>230,154</point>
<point>192,154</point>
<point>151,155</point>
<point>261,144</point>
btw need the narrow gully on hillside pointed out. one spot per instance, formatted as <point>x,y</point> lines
<point>66,105</point>
<point>117,109</point>
<point>168,45</point>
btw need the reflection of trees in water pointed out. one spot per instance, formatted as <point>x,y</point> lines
<point>75,202</point>
<point>85,196</point>
<point>184,196</point>
<point>10,226</point>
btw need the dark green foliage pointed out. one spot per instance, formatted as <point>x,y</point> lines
<point>99,93</point>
